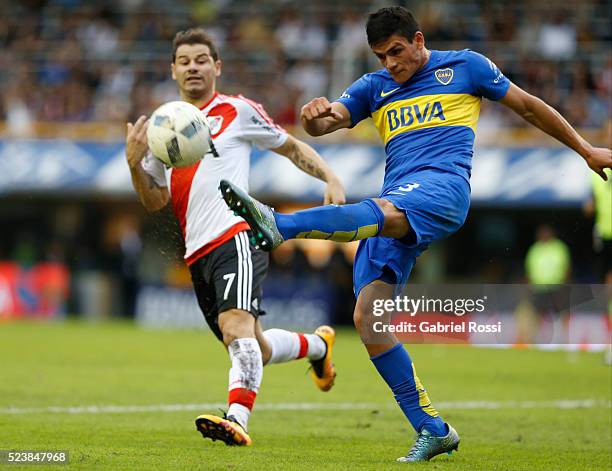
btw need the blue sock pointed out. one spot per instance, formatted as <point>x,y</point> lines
<point>395,366</point>
<point>340,223</point>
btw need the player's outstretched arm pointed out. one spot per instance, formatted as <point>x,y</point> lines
<point>152,196</point>
<point>320,117</point>
<point>545,117</point>
<point>309,161</point>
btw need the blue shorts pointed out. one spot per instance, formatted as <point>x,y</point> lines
<point>436,204</point>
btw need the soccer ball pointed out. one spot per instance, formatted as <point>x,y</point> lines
<point>178,134</point>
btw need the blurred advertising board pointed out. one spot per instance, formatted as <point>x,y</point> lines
<point>39,291</point>
<point>508,319</point>
<point>294,305</point>
<point>500,176</point>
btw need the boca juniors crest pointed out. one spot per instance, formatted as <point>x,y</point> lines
<point>444,76</point>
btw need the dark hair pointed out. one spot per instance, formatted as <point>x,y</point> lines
<point>194,36</point>
<point>388,21</point>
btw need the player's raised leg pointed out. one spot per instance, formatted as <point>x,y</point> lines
<point>344,223</point>
<point>397,369</point>
<point>280,346</point>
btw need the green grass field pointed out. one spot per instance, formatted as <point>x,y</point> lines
<point>71,365</point>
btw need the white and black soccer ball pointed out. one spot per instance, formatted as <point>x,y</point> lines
<point>178,134</point>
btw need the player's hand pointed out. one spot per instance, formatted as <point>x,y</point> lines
<point>136,146</point>
<point>334,192</point>
<point>318,108</point>
<point>599,158</point>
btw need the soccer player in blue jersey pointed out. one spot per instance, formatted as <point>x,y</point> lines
<point>425,105</point>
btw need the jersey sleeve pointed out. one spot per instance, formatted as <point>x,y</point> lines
<point>257,127</point>
<point>155,168</point>
<point>356,98</point>
<point>487,79</point>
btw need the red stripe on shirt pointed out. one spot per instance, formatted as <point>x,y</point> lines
<point>180,187</point>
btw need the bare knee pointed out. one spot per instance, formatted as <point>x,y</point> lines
<point>363,318</point>
<point>396,224</point>
<point>236,324</point>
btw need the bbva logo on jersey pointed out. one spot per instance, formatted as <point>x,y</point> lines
<point>444,76</point>
<point>405,116</point>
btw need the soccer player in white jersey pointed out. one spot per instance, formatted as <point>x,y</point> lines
<point>227,269</point>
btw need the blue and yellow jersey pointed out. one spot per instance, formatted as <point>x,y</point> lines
<point>430,120</point>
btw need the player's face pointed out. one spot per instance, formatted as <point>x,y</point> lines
<point>400,57</point>
<point>194,70</point>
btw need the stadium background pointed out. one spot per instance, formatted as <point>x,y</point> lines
<point>75,241</point>
<point>75,245</point>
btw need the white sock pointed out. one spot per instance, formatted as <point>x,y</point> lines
<point>240,413</point>
<point>244,378</point>
<point>287,346</point>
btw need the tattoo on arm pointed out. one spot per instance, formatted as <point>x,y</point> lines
<point>304,162</point>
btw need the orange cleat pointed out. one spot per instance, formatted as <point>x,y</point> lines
<point>323,371</point>
<point>221,428</point>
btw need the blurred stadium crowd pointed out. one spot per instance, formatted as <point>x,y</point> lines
<point>108,61</point>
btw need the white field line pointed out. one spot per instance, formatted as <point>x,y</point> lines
<point>309,406</point>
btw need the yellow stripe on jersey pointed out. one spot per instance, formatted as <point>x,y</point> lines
<point>426,111</point>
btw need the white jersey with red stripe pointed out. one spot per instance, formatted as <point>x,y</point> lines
<point>236,124</point>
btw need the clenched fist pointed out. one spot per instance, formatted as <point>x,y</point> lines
<point>318,108</point>
<point>319,116</point>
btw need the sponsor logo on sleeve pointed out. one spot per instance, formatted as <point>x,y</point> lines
<point>495,70</point>
<point>265,126</point>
